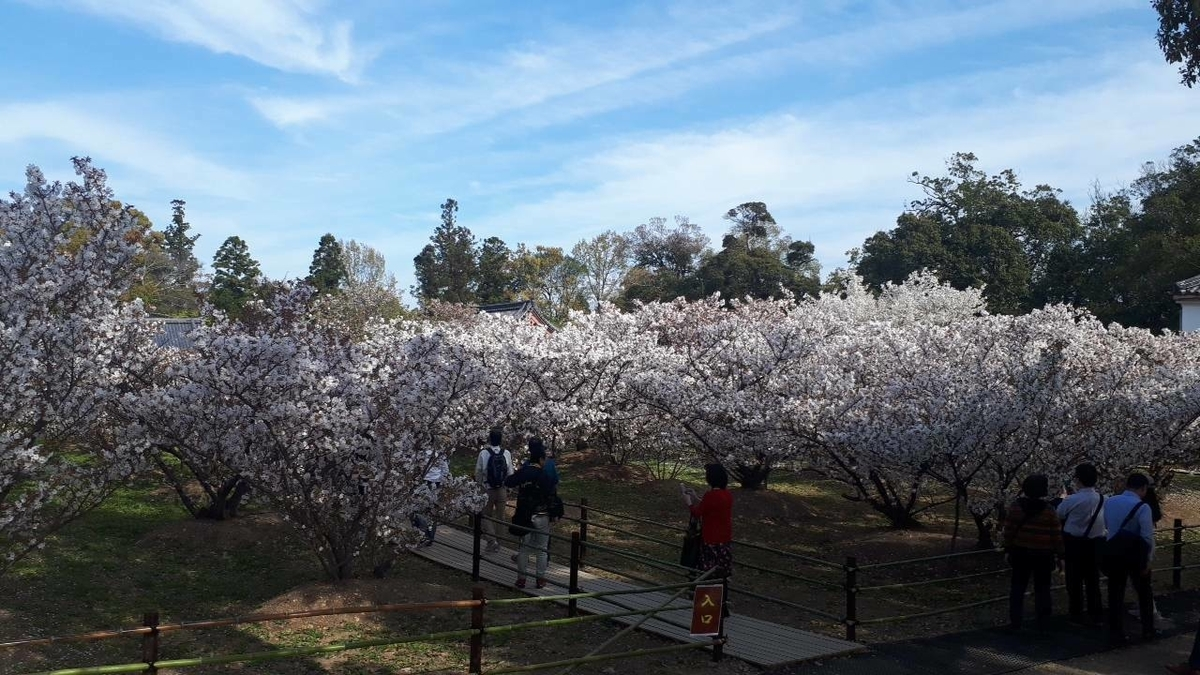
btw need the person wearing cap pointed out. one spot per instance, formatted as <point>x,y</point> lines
<point>531,518</point>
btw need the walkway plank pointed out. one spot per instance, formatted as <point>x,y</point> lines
<point>761,643</point>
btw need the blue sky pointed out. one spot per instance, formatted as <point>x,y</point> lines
<point>551,121</point>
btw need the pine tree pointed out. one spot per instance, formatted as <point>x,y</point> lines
<point>447,268</point>
<point>178,298</point>
<point>327,272</point>
<point>236,276</point>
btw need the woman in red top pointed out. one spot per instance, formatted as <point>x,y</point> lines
<point>715,511</point>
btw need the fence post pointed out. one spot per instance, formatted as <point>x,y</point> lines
<point>718,651</point>
<point>573,584</point>
<point>583,528</point>
<point>851,598</point>
<point>150,642</point>
<point>477,535</point>
<point>476,666</point>
<point>1177,556</point>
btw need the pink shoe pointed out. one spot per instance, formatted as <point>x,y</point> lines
<point>541,583</point>
<point>520,582</point>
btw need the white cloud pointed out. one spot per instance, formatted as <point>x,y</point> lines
<point>85,131</point>
<point>838,175</point>
<point>287,35</point>
<point>530,74</point>
<point>571,75</point>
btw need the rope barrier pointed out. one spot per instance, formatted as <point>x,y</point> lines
<point>664,565</point>
<point>912,561</point>
<point>602,657</point>
<point>785,603</point>
<point>795,577</point>
<point>945,610</point>
<point>940,580</point>
<point>592,594</point>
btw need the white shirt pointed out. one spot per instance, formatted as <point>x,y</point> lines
<point>1076,512</point>
<point>1118,507</point>
<point>482,462</point>
<point>439,471</point>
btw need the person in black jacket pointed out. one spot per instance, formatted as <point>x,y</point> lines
<point>531,520</point>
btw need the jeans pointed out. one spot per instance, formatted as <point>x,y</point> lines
<point>427,526</point>
<point>494,509</point>
<point>1083,574</point>
<point>1026,564</point>
<point>535,542</point>
<point>1116,600</point>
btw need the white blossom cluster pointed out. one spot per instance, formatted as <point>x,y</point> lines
<point>71,347</point>
<point>910,397</point>
<point>336,434</point>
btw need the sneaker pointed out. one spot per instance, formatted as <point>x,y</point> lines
<point>520,582</point>
<point>493,547</point>
<point>541,583</point>
<point>513,557</point>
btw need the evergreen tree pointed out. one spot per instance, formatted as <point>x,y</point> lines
<point>496,281</point>
<point>327,272</point>
<point>178,297</point>
<point>447,268</point>
<point>236,276</point>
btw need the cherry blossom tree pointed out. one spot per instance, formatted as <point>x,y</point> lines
<point>71,348</point>
<point>335,433</point>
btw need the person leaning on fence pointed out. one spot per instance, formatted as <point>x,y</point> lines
<point>493,466</point>
<point>1083,538</point>
<point>1127,556</point>
<point>715,511</point>
<point>1032,540</point>
<point>531,519</point>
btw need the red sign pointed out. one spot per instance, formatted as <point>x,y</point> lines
<point>706,610</point>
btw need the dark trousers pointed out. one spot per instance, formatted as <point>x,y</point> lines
<point>1083,573</point>
<point>1029,564</point>
<point>1116,599</point>
<point>1194,659</point>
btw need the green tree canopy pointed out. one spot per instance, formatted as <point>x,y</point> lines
<point>327,272</point>
<point>974,230</point>
<point>1179,36</point>
<point>236,276</point>
<point>497,282</point>
<point>757,260</point>
<point>447,268</point>
<point>1140,241</point>
<point>665,260</point>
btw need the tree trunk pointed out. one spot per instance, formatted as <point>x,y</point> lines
<point>985,528</point>
<point>752,477</point>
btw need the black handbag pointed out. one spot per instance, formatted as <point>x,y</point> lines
<point>1125,550</point>
<point>689,555</point>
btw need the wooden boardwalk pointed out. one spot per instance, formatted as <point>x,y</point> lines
<point>761,643</point>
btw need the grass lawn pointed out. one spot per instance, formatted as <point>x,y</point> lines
<point>141,552</point>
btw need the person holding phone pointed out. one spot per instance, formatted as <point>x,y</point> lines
<point>715,512</point>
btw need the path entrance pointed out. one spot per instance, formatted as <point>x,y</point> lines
<point>761,643</point>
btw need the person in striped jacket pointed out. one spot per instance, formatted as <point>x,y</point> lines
<point>1033,541</point>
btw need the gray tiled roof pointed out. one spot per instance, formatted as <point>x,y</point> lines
<point>520,310</point>
<point>175,333</point>
<point>1188,286</point>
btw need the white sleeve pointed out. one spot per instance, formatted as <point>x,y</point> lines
<point>480,473</point>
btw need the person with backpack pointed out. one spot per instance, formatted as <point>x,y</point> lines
<point>492,468</point>
<point>531,520</point>
<point>1083,537</point>
<point>1127,555</point>
<point>1032,540</point>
